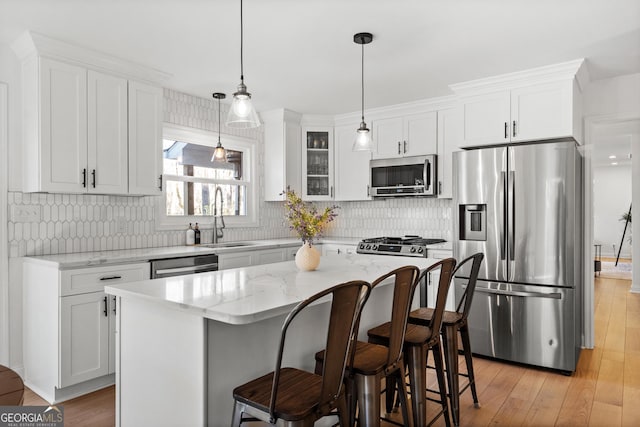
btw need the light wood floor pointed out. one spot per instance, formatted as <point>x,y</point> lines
<point>604,390</point>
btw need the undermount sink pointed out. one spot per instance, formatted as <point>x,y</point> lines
<point>227,244</point>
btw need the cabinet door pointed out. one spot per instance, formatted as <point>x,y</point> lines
<point>449,140</point>
<point>63,127</point>
<point>542,112</point>
<point>387,136</point>
<point>269,256</point>
<point>317,164</point>
<point>107,134</point>
<point>352,172</point>
<point>113,300</point>
<point>84,337</point>
<point>282,154</point>
<point>334,249</point>
<point>486,119</point>
<point>145,139</point>
<point>242,259</point>
<point>420,134</point>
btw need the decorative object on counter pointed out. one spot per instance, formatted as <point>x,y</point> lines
<point>219,154</point>
<point>196,232</point>
<point>305,219</point>
<point>363,140</point>
<point>191,236</point>
<point>242,114</point>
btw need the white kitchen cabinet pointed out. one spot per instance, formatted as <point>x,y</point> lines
<point>248,257</point>
<point>69,326</point>
<point>433,281</point>
<point>449,140</point>
<point>282,153</point>
<point>338,249</point>
<point>84,337</point>
<point>410,135</point>
<point>317,163</point>
<point>538,104</point>
<point>89,132</point>
<point>352,171</point>
<point>145,139</point>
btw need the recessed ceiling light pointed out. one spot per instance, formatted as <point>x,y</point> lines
<point>614,163</point>
<point>612,156</point>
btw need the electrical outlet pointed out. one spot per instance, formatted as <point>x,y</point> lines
<point>25,213</point>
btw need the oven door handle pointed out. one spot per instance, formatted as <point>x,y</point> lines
<point>190,269</point>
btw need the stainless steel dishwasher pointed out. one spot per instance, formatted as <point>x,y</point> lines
<point>185,265</point>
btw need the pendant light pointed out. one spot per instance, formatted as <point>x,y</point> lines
<point>219,154</point>
<point>363,141</point>
<point>242,114</point>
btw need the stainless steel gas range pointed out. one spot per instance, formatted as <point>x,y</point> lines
<point>414,246</point>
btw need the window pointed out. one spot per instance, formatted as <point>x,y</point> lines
<point>191,179</point>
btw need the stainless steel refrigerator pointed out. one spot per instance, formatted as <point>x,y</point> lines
<point>521,206</point>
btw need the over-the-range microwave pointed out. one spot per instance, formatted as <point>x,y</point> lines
<point>404,176</point>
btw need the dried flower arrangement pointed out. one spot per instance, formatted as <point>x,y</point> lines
<point>305,219</point>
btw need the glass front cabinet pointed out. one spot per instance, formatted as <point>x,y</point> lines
<point>317,163</point>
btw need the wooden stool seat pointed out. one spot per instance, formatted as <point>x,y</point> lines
<point>423,315</point>
<point>415,334</point>
<point>369,359</point>
<point>11,387</point>
<point>298,393</point>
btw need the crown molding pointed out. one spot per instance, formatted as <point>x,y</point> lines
<point>547,74</point>
<point>280,114</point>
<point>32,43</point>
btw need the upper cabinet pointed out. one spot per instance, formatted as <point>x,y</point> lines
<point>282,153</point>
<point>537,104</point>
<point>449,140</point>
<point>410,135</point>
<point>87,130</point>
<point>352,172</point>
<point>317,163</point>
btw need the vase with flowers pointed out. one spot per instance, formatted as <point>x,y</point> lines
<point>309,223</point>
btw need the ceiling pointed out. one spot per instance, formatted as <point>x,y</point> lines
<point>300,54</point>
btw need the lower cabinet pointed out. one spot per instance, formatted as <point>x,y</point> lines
<point>255,257</point>
<point>433,281</point>
<point>69,327</point>
<point>337,249</point>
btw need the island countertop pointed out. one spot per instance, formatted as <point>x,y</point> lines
<point>251,294</point>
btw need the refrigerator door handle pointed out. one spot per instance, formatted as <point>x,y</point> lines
<point>512,216</point>
<point>553,295</point>
<point>503,251</point>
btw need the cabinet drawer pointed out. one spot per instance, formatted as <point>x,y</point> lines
<point>94,279</point>
<point>439,253</point>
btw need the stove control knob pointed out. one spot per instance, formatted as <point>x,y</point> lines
<point>361,245</point>
<point>368,246</point>
<point>374,247</point>
<point>420,250</point>
<point>413,249</point>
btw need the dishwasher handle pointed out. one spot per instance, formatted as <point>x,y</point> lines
<point>187,270</point>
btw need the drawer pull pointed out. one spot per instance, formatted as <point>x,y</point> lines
<point>106,310</point>
<point>114,305</point>
<point>111,278</point>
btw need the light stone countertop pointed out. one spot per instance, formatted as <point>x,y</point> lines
<point>251,294</point>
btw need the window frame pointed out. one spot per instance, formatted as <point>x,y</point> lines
<point>210,139</point>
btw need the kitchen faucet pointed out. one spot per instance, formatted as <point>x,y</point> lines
<point>217,233</point>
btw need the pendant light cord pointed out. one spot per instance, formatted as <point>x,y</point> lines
<point>241,44</point>
<point>219,123</point>
<point>362,77</point>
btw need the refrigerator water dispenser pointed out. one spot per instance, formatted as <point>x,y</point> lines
<point>473,222</point>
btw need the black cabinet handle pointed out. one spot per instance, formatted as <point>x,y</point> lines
<point>93,178</point>
<point>106,310</point>
<point>399,152</point>
<point>506,130</point>
<point>84,178</point>
<point>514,128</point>
<point>114,305</point>
<point>111,277</point>
<point>405,147</point>
<point>160,186</point>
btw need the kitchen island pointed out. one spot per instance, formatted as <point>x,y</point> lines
<point>183,343</point>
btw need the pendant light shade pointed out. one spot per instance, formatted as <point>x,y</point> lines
<point>363,141</point>
<point>242,114</point>
<point>219,154</point>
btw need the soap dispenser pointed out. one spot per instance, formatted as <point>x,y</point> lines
<point>191,236</point>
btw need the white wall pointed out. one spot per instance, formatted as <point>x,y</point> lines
<point>612,196</point>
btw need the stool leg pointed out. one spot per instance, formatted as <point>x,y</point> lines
<point>368,387</point>
<point>237,414</point>
<point>437,358</point>
<point>407,413</point>
<point>417,364</point>
<point>450,344</point>
<point>389,393</point>
<point>466,343</point>
<point>343,411</point>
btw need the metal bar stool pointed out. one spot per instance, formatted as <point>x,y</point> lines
<point>372,362</point>
<point>293,397</point>
<point>452,323</point>
<point>418,341</point>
